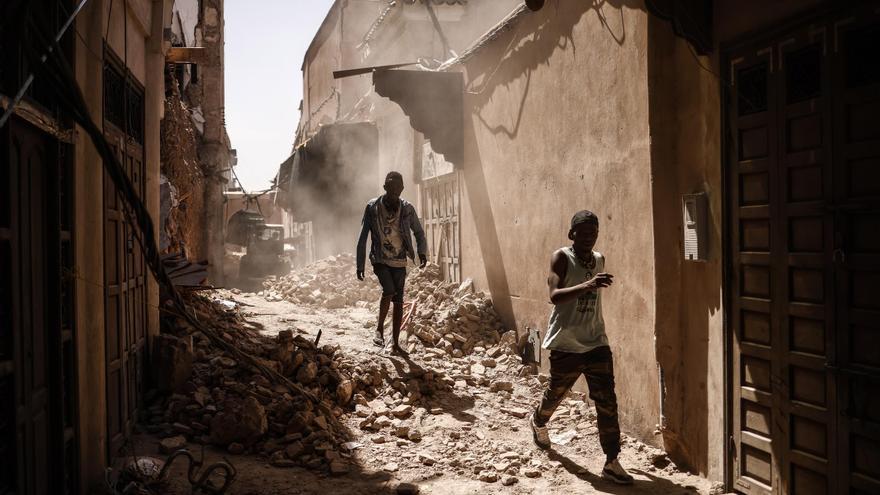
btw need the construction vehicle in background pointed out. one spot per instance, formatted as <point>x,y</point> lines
<point>264,244</point>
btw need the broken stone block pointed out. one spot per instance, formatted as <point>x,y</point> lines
<point>243,422</point>
<point>172,444</point>
<point>344,391</point>
<point>515,411</point>
<point>225,362</point>
<point>307,373</point>
<point>300,421</point>
<point>391,467</point>
<point>321,422</point>
<point>488,477</point>
<point>501,385</point>
<point>509,480</point>
<point>182,429</point>
<point>172,362</point>
<point>379,407</point>
<point>291,437</point>
<point>294,450</point>
<point>532,473</point>
<point>402,411</point>
<point>339,467</point>
<point>278,460</point>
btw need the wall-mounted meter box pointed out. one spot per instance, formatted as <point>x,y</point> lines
<point>695,223</point>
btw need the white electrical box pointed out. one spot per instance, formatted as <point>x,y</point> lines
<point>694,223</point>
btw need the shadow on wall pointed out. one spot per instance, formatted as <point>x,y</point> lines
<point>684,145</point>
<point>534,38</point>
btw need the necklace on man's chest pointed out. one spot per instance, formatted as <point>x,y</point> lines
<point>587,265</point>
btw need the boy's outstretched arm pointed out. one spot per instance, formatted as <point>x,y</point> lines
<point>560,294</point>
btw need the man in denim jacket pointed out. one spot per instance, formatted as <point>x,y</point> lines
<point>388,219</point>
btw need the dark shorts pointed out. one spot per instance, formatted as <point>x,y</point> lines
<point>392,280</point>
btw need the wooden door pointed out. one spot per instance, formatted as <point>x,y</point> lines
<point>124,267</point>
<point>125,298</point>
<point>799,299</point>
<point>31,154</point>
<point>7,343</point>
<point>753,207</point>
<point>856,256</point>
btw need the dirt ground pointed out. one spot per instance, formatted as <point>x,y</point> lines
<point>465,433</point>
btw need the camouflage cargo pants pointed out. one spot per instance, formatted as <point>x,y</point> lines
<point>597,366</point>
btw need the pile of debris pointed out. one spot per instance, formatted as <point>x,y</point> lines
<point>449,316</point>
<point>330,283</point>
<point>206,394</point>
<point>452,317</point>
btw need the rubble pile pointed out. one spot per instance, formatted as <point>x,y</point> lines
<point>206,395</point>
<point>452,317</point>
<point>330,283</point>
<point>449,316</point>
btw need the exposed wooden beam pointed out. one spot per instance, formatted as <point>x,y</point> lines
<point>185,55</point>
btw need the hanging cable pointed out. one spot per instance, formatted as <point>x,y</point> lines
<point>438,28</point>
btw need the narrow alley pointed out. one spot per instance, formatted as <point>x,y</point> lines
<point>450,418</point>
<point>286,247</point>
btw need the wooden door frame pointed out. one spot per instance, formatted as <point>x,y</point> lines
<point>62,425</point>
<point>127,315</point>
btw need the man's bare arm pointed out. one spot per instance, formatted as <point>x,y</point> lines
<point>560,294</point>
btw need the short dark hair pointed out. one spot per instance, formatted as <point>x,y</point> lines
<point>584,216</point>
<point>393,176</point>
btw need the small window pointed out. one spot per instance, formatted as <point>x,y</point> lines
<point>860,48</point>
<point>751,89</point>
<point>803,74</point>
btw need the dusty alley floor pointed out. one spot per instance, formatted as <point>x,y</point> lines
<point>465,432</point>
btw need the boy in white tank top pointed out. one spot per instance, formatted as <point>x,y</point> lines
<point>577,341</point>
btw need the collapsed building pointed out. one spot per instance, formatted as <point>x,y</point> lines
<point>197,157</point>
<point>727,148</point>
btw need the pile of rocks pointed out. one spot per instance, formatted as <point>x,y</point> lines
<point>207,395</point>
<point>453,317</point>
<point>330,283</point>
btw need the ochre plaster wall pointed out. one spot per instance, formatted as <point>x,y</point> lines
<point>89,249</point>
<point>146,61</point>
<point>685,116</point>
<point>556,120</point>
